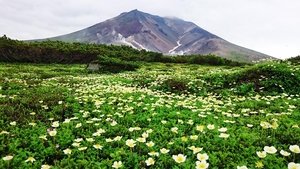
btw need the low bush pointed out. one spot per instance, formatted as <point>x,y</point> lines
<point>269,77</point>
<point>68,53</point>
<point>174,85</point>
<point>115,65</point>
<point>295,60</point>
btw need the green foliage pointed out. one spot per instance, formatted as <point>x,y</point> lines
<point>148,103</point>
<point>269,77</point>
<point>295,60</point>
<point>245,88</point>
<point>61,52</point>
<point>115,65</point>
<point>175,85</point>
<point>209,59</point>
<point>67,53</point>
<point>212,60</point>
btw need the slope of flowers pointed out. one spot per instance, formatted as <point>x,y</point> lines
<point>63,117</point>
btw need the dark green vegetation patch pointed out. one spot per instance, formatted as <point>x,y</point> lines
<point>62,52</point>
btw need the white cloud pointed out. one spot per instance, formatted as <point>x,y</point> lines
<point>268,26</point>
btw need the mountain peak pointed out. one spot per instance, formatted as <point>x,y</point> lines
<point>168,35</point>
<point>134,12</point>
<point>131,15</point>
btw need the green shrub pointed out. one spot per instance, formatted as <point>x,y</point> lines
<point>67,53</point>
<point>175,85</point>
<point>269,77</point>
<point>295,60</point>
<point>245,88</point>
<point>115,65</point>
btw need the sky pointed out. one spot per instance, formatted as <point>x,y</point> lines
<point>268,26</point>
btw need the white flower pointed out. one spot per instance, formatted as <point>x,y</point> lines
<point>149,131</point>
<point>190,122</point>
<point>109,140</point>
<point>101,131</point>
<point>45,166</point>
<point>141,139</point>
<point>150,144</point>
<point>78,125</point>
<point>117,138</point>
<point>293,165</point>
<point>113,123</point>
<point>174,129</point>
<point>67,121</point>
<point>164,151</point>
<point>171,143</point>
<point>211,126</point>
<point>249,125</point>
<point>13,123</point>
<point>30,159</point>
<point>223,129</point>
<point>44,137</point>
<point>75,144</point>
<point>117,164</point>
<point>200,128</point>
<point>145,135</point>
<point>153,153</point>
<point>32,124</point>
<point>150,161</point>
<point>270,149</point>
<point>131,129</point>
<point>261,154</point>
<point>4,132</point>
<point>67,151</point>
<point>195,149</point>
<point>224,135</point>
<point>202,157</point>
<point>7,158</point>
<point>265,125</point>
<point>163,121</point>
<point>98,146</point>
<point>78,140</point>
<point>184,139</point>
<point>55,124</point>
<point>242,167</point>
<point>284,153</point>
<point>294,149</point>
<point>193,137</point>
<point>201,165</point>
<point>130,143</point>
<point>89,121</point>
<point>90,140</point>
<point>52,133</point>
<point>180,158</point>
<point>82,148</point>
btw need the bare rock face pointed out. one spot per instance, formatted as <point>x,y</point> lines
<point>160,34</point>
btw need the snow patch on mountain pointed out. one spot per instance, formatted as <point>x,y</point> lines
<point>172,51</point>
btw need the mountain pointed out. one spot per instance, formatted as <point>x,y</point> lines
<point>160,34</point>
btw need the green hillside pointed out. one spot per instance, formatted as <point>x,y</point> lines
<point>163,115</point>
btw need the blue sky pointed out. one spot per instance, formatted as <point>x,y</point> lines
<point>268,26</point>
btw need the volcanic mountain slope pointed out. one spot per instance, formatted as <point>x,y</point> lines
<point>160,34</point>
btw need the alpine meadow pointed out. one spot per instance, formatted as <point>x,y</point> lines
<point>143,91</point>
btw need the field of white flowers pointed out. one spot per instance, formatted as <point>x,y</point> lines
<point>161,116</point>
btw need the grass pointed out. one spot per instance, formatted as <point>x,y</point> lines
<point>175,106</point>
